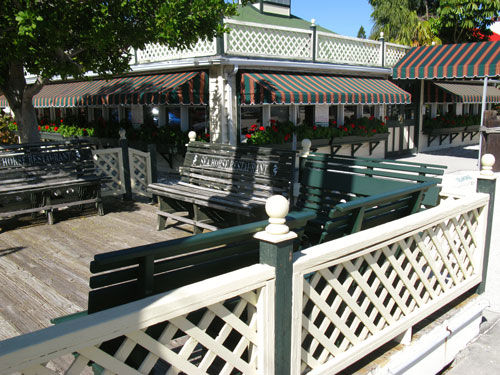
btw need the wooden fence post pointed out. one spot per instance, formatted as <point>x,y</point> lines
<point>154,167</point>
<point>486,183</point>
<point>276,248</point>
<point>126,165</point>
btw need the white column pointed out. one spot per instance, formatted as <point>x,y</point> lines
<point>162,116</point>
<point>340,115</point>
<point>459,109</point>
<point>184,118</point>
<point>321,114</point>
<point>359,110</point>
<point>433,110</point>
<point>137,114</point>
<point>266,114</point>
<point>293,113</point>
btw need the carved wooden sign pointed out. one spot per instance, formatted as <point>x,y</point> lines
<point>38,158</point>
<point>262,168</point>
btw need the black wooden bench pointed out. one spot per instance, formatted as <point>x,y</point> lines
<point>351,194</point>
<point>45,177</point>
<point>222,183</point>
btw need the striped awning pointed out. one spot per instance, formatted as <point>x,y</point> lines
<point>451,92</point>
<point>466,60</point>
<point>276,88</point>
<point>171,88</point>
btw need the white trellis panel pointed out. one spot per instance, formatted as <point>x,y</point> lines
<point>253,39</point>
<point>140,171</point>
<point>227,334</point>
<point>354,294</point>
<point>344,50</point>
<point>394,53</point>
<point>158,52</point>
<point>109,163</point>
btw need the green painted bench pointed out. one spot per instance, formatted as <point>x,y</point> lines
<point>45,177</point>
<point>224,184</point>
<point>351,194</point>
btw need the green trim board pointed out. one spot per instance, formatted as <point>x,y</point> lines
<point>278,88</point>
<point>171,88</point>
<point>464,60</point>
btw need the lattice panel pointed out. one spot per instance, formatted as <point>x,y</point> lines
<point>159,52</point>
<point>219,339</point>
<point>269,42</point>
<point>348,51</point>
<point>361,298</point>
<point>109,164</point>
<point>140,172</point>
<point>394,53</point>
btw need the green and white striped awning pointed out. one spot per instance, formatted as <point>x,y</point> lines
<point>465,60</point>
<point>277,88</point>
<point>451,92</point>
<point>172,88</point>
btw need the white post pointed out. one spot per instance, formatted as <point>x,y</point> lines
<point>483,108</point>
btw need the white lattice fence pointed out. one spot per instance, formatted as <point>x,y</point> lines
<point>354,294</point>
<point>394,53</point>
<point>217,326</point>
<point>109,163</point>
<point>158,52</point>
<point>344,50</point>
<point>249,39</point>
<point>140,171</point>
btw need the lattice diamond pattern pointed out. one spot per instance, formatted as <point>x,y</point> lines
<point>219,339</point>
<point>351,301</point>
<point>139,173</point>
<point>394,53</point>
<point>253,41</point>
<point>108,165</point>
<point>159,52</point>
<point>347,51</point>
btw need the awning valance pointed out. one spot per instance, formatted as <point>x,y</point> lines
<point>440,92</point>
<point>171,88</point>
<point>466,60</point>
<point>278,88</point>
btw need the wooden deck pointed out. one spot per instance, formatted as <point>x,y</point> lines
<point>44,270</point>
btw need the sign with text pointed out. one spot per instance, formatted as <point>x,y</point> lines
<point>38,158</point>
<point>264,168</point>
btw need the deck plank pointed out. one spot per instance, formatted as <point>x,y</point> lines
<point>44,269</point>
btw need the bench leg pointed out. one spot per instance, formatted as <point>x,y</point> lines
<point>99,205</point>
<point>163,206</point>
<point>47,201</point>
<point>200,217</point>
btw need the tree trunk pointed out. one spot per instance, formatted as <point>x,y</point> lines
<point>20,97</point>
<point>27,123</point>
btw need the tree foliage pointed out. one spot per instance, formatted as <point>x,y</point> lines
<point>421,22</point>
<point>48,38</point>
<point>362,33</point>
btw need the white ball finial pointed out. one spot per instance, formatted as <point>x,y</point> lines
<point>487,163</point>
<point>313,22</point>
<point>381,35</point>
<point>277,208</point>
<point>192,136</point>
<point>306,147</point>
<point>122,133</point>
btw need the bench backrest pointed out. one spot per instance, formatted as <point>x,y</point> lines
<point>248,171</point>
<point>387,175</point>
<point>127,275</point>
<point>39,162</point>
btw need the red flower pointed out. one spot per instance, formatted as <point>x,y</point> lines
<point>261,128</point>
<point>56,128</point>
<point>352,126</point>
<point>47,127</point>
<point>39,128</point>
<point>371,118</point>
<point>374,130</point>
<point>272,121</point>
<point>15,123</point>
<point>315,127</point>
<point>61,121</point>
<point>383,124</point>
<point>345,129</point>
<point>207,135</point>
<point>386,118</point>
<point>275,129</point>
<point>248,136</point>
<point>287,136</point>
<point>253,126</point>
<point>334,122</point>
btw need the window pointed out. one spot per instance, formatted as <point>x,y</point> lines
<point>173,116</point>
<point>305,115</point>
<point>250,116</point>
<point>349,113</point>
<point>393,112</point>
<point>151,115</point>
<point>409,112</point>
<point>368,111</point>
<point>332,115</point>
<point>198,120</point>
<point>280,113</point>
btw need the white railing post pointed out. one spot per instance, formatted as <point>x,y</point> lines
<point>486,183</point>
<point>276,248</point>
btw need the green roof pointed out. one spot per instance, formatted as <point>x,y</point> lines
<point>250,14</point>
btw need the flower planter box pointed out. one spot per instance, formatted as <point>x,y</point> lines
<point>355,142</point>
<point>451,133</point>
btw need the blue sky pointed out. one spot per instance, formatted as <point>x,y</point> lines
<point>341,16</point>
